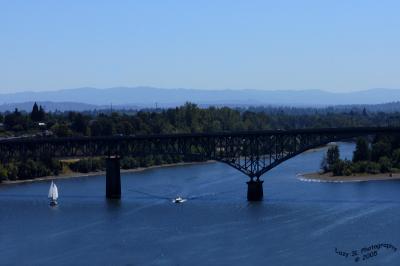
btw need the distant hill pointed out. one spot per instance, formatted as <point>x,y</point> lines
<point>72,106</point>
<point>50,106</point>
<point>149,97</point>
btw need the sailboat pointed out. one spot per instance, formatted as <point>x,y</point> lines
<point>53,194</point>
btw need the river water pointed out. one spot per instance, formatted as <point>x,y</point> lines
<point>298,223</point>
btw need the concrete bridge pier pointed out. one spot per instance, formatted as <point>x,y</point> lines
<point>255,190</point>
<point>113,178</point>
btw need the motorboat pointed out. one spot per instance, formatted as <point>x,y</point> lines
<point>178,200</point>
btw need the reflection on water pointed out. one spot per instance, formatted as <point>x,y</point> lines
<point>298,223</point>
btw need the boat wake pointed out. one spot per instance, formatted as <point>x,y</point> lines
<point>320,181</point>
<point>150,195</point>
<point>303,179</point>
<point>179,199</point>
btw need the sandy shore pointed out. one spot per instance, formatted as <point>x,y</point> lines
<point>328,177</point>
<point>74,174</point>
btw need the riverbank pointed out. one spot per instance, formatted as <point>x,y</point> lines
<point>96,173</point>
<point>328,177</point>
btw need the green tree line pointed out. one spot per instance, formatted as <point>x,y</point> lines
<point>380,155</point>
<point>188,118</point>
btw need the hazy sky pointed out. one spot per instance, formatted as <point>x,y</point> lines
<point>335,45</point>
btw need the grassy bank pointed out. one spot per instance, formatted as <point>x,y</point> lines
<point>43,167</point>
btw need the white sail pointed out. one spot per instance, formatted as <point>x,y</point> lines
<point>55,192</point>
<point>51,190</point>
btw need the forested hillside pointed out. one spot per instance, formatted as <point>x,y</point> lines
<point>188,118</point>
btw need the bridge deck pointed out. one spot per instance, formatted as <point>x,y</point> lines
<point>251,152</point>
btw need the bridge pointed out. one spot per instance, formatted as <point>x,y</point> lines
<point>253,153</point>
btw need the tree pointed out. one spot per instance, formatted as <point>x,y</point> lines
<point>385,164</point>
<point>362,151</point>
<point>103,126</point>
<point>324,164</point>
<point>31,169</point>
<point>373,168</point>
<point>364,112</point>
<point>379,149</point>
<point>124,128</point>
<point>3,173</point>
<point>129,163</point>
<point>341,168</point>
<point>61,130</point>
<point>332,156</point>
<point>35,113</point>
<point>12,171</point>
<point>338,168</point>
<point>41,114</point>
<point>15,121</point>
<point>396,157</point>
<point>79,123</point>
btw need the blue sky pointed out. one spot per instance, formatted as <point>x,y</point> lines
<point>335,45</point>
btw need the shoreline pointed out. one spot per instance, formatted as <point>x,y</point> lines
<point>328,177</point>
<point>77,174</point>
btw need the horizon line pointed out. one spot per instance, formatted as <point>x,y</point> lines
<point>197,89</point>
